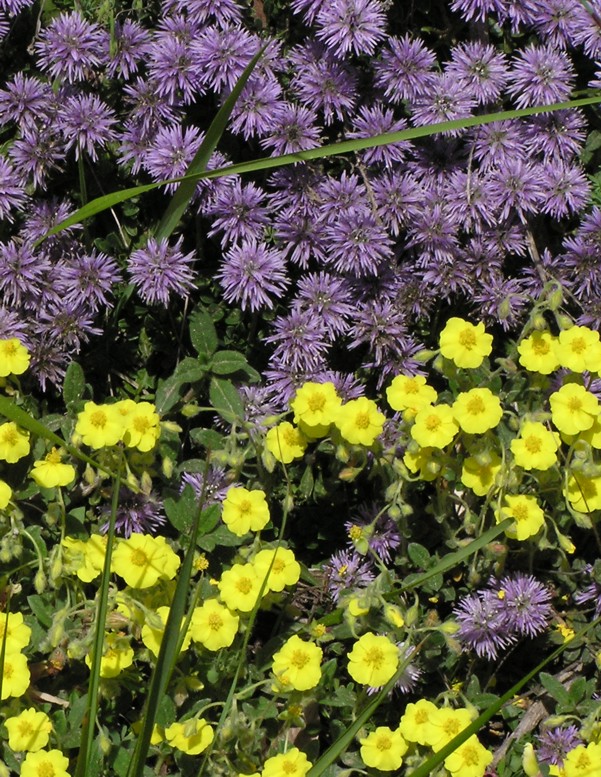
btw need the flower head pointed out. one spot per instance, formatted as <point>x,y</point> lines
<point>465,344</point>
<point>15,675</point>
<point>282,565</point>
<point>293,763</point>
<point>298,664</point>
<point>117,655</point>
<point>470,759</point>
<point>285,442</point>
<point>578,349</point>
<point>481,475</point>
<point>383,749</point>
<point>435,426</point>
<point>359,421</point>
<point>537,353</point>
<point>71,48</point>
<point>99,425</point>
<point>373,660</point>
<point>142,560</point>
<point>573,408</point>
<point>44,763</point>
<point>253,275</point>
<point>244,510</point>
<point>315,406</point>
<point>239,587</point>
<point>14,357</point>
<point>351,25</point>
<point>213,625</point>
<point>160,270</point>
<point>410,392</point>
<point>536,446</point>
<point>527,514</point>
<point>477,410</point>
<point>14,444</point>
<point>554,744</point>
<point>190,736</point>
<point>30,730</point>
<point>50,472</point>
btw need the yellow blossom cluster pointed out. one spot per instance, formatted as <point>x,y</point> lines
<point>136,424</point>
<point>15,634</point>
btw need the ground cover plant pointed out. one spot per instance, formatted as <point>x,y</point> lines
<point>299,388</point>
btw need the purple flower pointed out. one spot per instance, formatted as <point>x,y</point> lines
<point>171,152</point>
<point>48,361</point>
<point>13,7</point>
<point>293,129</point>
<point>308,8</point>
<point>481,68</point>
<point>300,342</point>
<point>498,143</point>
<point>149,109</point>
<point>239,213</point>
<point>322,82</point>
<point>86,123</point>
<point>524,603</point>
<point>71,48</point>
<point>377,120</point>
<point>380,327</point>
<point>132,46</point>
<point>476,9</point>
<point>136,513</point>
<point>199,11</point>
<point>567,189</point>
<point>220,55</point>
<point>12,195</point>
<point>301,234</point>
<point>377,527</point>
<point>347,571</point>
<point>159,270</point>
<point>211,485</point>
<point>37,152</point>
<point>445,99</point>
<point>592,592</point>
<point>135,142</point>
<point>327,298</point>
<point>66,324</point>
<point>344,194</point>
<point>557,134</point>
<point>172,67</point>
<point>250,273</point>
<point>541,75</point>
<point>257,107</point>
<point>357,244</point>
<point>502,300</point>
<point>24,100</point>
<point>556,21</point>
<point>259,408</point>
<point>399,199</point>
<point>45,215</point>
<point>11,325</point>
<point>405,69</point>
<point>89,279</point>
<point>468,200</point>
<point>351,25</point>
<point>434,233</point>
<point>21,272</point>
<point>481,626</point>
<point>517,186</point>
<point>554,744</point>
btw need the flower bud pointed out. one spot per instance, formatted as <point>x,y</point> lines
<point>40,581</point>
<point>529,762</point>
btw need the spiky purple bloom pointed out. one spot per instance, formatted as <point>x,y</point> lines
<point>171,152</point>
<point>399,199</point>
<point>592,592</point>
<point>445,99</point>
<point>13,7</point>
<point>199,11</point>
<point>293,129</point>
<point>498,143</point>
<point>308,8</point>
<point>559,134</point>
<point>300,341</point>
<point>301,235</point>
<point>476,9</point>
<point>481,68</point>
<point>566,187</point>
<point>89,279</point>
<point>48,361</point>
<point>377,120</point>
<point>524,603</point>
<point>344,194</point>
<point>211,485</point>
<point>556,21</point>
<point>351,26</point>
<point>132,46</point>
<point>517,187</point>
<point>259,408</point>
<point>220,55</point>
<point>46,214</point>
<point>149,109</point>
<point>434,233</point>
<point>541,75</point>
<point>252,275</point>
<point>345,572</point>
<point>135,141</point>
<point>256,108</point>
<point>481,626</point>
<point>554,744</point>
<point>382,533</point>
<point>21,272</point>
<point>381,327</point>
<point>468,200</point>
<point>136,513</point>
<point>86,123</point>
<point>357,244</point>
<point>12,195</point>
<point>502,300</point>
<point>172,66</point>
<point>322,82</point>
<point>24,100</point>
<point>37,152</point>
<point>159,270</point>
<point>66,324</point>
<point>405,69</point>
<point>71,48</point>
<point>326,297</point>
<point>239,213</point>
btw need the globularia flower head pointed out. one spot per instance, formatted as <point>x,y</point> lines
<point>524,603</point>
<point>377,529</point>
<point>37,152</point>
<point>72,48</point>
<point>24,100</point>
<point>327,298</point>
<point>86,123</point>
<point>170,153</point>
<point>300,341</point>
<point>351,25</point>
<point>211,485</point>
<point>358,245</point>
<point>200,11</point>
<point>377,120</point>
<point>12,195</point>
<point>477,9</point>
<point>221,53</point>
<point>541,75</point>
<point>21,273</point>
<point>555,743</point>
<point>173,72</point>
<point>481,625</point>
<point>293,129</point>
<point>345,571</point>
<point>160,270</point>
<point>592,593</point>
<point>445,99</point>
<point>137,513</point>
<point>405,69</point>
<point>89,279</point>
<point>559,134</point>
<point>481,68</point>
<point>132,45</point>
<point>256,108</point>
<point>252,274</point>
<point>239,212</point>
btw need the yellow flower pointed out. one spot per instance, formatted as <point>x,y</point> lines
<point>15,675</point>
<point>85,557</point>
<point>410,392</point>
<point>298,664</point>
<point>6,493</point>
<point>14,444</point>
<point>213,625</point>
<point>239,587</point>
<point>294,763</point>
<point>141,560</point>
<point>425,461</point>
<point>285,570</point>
<point>537,353</point>
<point>373,660</point>
<point>50,472</point>
<point>584,494</point>
<point>573,408</point>
<point>434,427</point>
<point>383,749</point>
<point>142,429</point>
<point>245,511</point>
<point>360,422</point>
<point>117,655</point>
<point>578,349</point>
<point>99,425</point>
<point>30,730</point>
<point>14,357</point>
<point>45,763</point>
<point>469,760</point>
<point>416,724</point>
<point>18,633</point>
<point>583,761</point>
<point>190,736</point>
<point>154,628</point>
<point>477,410</point>
<point>285,442</point>
<point>315,406</point>
<point>566,632</point>
<point>527,514</point>
<point>445,724</point>
<point>536,446</point>
<point>478,476</point>
<point>464,343</point>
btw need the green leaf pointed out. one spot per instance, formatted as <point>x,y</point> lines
<point>229,362</point>
<point>74,384</point>
<point>189,370</point>
<point>418,554</point>
<point>203,333</point>
<point>208,438</point>
<point>40,610</point>
<point>181,511</point>
<point>209,518</point>
<point>555,689</point>
<point>225,399</point>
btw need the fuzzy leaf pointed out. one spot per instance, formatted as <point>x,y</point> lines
<point>203,333</point>
<point>225,399</point>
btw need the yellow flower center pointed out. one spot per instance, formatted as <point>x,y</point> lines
<point>10,348</point>
<point>316,402</point>
<point>10,436</point>
<point>433,423</point>
<point>245,507</point>
<point>45,769</point>
<point>411,386</point>
<point>467,339</point>
<point>299,659</point>
<point>362,420</point>
<point>141,424</point>
<point>421,716</point>
<point>8,670</point>
<point>475,406</point>
<point>578,345</point>
<point>452,727</point>
<point>25,728</point>
<point>533,444</point>
<point>574,404</point>
<point>540,346</point>
<point>520,512</point>
<point>470,756</point>
<point>355,532</point>
<point>278,566</point>
<point>288,767</point>
<point>384,743</point>
<point>54,457</point>
<point>215,621</point>
<point>584,762</point>
<point>290,436</point>
<point>98,419</point>
<point>244,585</point>
<point>138,558</point>
<point>374,657</point>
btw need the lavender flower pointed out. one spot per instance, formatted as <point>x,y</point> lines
<point>498,143</point>
<point>159,270</point>
<point>445,99</point>
<point>43,216</point>
<point>199,11</point>
<point>48,361</point>
<point>524,603</point>
<point>481,68</point>
<point>171,152</point>
<point>89,279</point>
<point>299,341</point>
<point>541,75</point>
<point>12,195</point>
<point>399,199</point>
<point>555,20</point>
<point>557,134</point>
<point>481,626</point>
<point>517,186</point>
<point>378,528</point>
<point>71,48</point>
<point>211,485</point>
<point>357,244</point>
<point>293,129</point>
<point>554,744</point>
<point>476,9</point>
<point>377,120</point>
<point>347,571</point>
<point>239,213</point>
<point>567,189</point>
<point>11,325</point>
<point>132,46</point>
<point>21,272</point>
<point>66,324</point>
<point>301,234</point>
<point>382,329</point>
<point>592,592</point>
<point>308,8</point>
<point>13,7</point>
<point>502,300</point>
<point>86,123</point>
<point>149,109</point>
<point>172,67</point>
<point>39,151</point>
<point>24,100</point>
<point>327,298</point>
<point>220,55</point>
<point>250,273</point>
<point>257,107</point>
<point>137,513</point>
<point>405,69</point>
<point>342,195</point>
<point>351,25</point>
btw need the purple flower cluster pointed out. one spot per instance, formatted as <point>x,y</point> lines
<point>495,617</point>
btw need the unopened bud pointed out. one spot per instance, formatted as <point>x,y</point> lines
<point>40,581</point>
